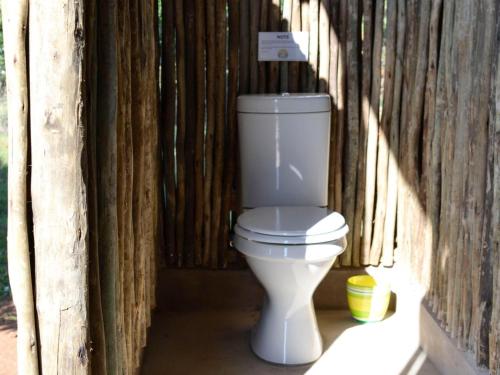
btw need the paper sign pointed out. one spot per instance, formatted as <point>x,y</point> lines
<point>292,46</point>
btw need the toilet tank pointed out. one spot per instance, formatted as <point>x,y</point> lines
<point>284,149</point>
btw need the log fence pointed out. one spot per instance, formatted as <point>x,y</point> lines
<point>123,167</point>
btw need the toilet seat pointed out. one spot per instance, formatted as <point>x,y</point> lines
<point>291,225</point>
<point>291,233</point>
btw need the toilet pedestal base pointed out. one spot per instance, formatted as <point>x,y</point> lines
<point>288,336</point>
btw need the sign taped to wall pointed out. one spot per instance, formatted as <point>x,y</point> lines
<point>283,46</point>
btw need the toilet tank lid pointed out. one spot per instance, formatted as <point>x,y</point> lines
<point>284,103</point>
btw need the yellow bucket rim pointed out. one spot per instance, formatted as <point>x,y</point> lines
<point>364,282</point>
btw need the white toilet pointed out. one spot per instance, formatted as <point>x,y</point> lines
<point>290,240</point>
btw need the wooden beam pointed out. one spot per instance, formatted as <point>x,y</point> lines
<point>15,19</point>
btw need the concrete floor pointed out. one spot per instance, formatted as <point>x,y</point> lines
<point>217,342</point>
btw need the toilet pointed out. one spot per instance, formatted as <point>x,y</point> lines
<point>289,238</point>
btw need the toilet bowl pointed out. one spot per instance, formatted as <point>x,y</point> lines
<point>289,239</point>
<point>290,250</point>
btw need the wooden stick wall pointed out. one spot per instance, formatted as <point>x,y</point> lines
<point>414,163</point>
<point>89,150</point>
<point>412,140</point>
<point>210,56</point>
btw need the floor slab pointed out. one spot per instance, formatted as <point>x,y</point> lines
<point>217,342</point>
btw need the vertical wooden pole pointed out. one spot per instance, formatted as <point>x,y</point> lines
<point>59,183</point>
<point>372,133</point>
<point>230,160</point>
<point>107,159</point>
<point>332,90</point>
<point>15,19</point>
<point>392,169</point>
<point>138,194</point>
<point>97,334</point>
<point>244,45</point>
<point>360,185</point>
<point>341,105</point>
<point>209,138</point>
<point>487,345</point>
<point>304,66</point>
<point>254,15</point>
<point>286,25</point>
<point>220,124</point>
<point>128,228</point>
<point>263,18</point>
<point>168,108</point>
<point>293,66</point>
<point>312,77</point>
<point>476,185</point>
<point>352,145</point>
<point>324,45</point>
<point>200,125</point>
<point>121,185</point>
<point>274,25</point>
<point>190,134</point>
<point>384,133</point>
<point>431,183</point>
<point>181,130</point>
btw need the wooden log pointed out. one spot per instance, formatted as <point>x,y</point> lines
<point>274,25</point>
<point>360,185</point>
<point>313,61</point>
<point>352,145</point>
<point>244,46</point>
<point>304,66</point>
<point>341,105</point>
<point>209,137</point>
<point>107,159</point>
<point>15,18</point>
<point>263,20</point>
<point>254,10</point>
<point>431,159</point>
<point>405,186</point>
<point>324,46</point>
<point>293,66</point>
<point>392,169</point>
<point>332,90</point>
<point>128,228</point>
<point>200,125</point>
<point>384,133</point>
<point>191,124</point>
<point>59,183</point>
<point>181,130</point>
<point>220,123</point>
<point>486,346</point>
<point>230,164</point>
<point>286,25</point>
<point>168,125</point>
<point>97,335</point>
<point>121,187</point>
<point>138,115</point>
<point>447,136</point>
<point>158,258</point>
<point>463,42</point>
<point>372,133</point>
<point>475,193</point>
<point>150,220</point>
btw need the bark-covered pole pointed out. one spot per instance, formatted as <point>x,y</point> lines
<point>15,16</point>
<point>59,187</point>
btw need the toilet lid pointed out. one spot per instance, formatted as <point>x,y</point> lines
<point>291,225</point>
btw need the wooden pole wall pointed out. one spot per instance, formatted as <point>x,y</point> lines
<point>399,123</point>
<point>413,163</point>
